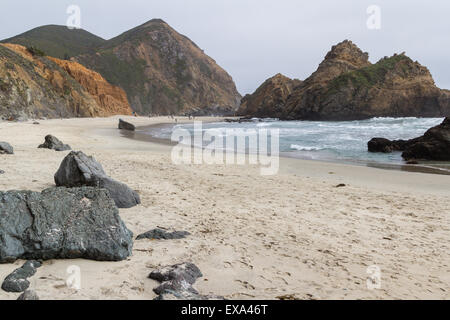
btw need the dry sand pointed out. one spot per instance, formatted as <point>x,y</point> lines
<point>253,237</point>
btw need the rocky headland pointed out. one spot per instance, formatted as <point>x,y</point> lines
<point>347,86</point>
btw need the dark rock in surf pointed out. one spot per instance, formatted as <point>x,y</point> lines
<point>433,145</point>
<point>386,145</point>
<point>77,169</point>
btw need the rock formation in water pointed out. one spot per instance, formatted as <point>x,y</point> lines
<point>346,86</point>
<point>270,98</point>
<point>433,145</point>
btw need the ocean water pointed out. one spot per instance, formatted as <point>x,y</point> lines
<point>332,141</point>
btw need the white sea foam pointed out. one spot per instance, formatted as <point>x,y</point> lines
<point>345,140</point>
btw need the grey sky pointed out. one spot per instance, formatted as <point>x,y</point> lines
<point>255,39</point>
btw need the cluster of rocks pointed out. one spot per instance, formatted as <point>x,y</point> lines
<point>433,145</point>
<point>177,281</point>
<point>77,219</point>
<point>78,169</point>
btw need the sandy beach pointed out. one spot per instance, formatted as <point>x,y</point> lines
<point>292,235</point>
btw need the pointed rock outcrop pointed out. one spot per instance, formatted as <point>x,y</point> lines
<point>269,99</point>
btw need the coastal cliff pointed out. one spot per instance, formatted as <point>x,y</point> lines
<point>33,85</point>
<point>346,86</point>
<point>111,99</point>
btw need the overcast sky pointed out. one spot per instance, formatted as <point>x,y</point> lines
<point>255,39</point>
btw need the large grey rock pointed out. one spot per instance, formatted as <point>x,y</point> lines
<point>53,143</point>
<point>176,283</point>
<point>159,234</point>
<point>62,223</point>
<point>17,280</point>
<point>385,145</point>
<point>6,148</point>
<point>77,169</point>
<point>433,145</point>
<point>28,295</point>
<point>123,125</point>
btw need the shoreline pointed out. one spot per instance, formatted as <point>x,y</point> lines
<point>294,233</point>
<point>419,168</point>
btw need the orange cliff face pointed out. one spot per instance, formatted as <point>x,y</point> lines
<point>87,95</point>
<point>111,99</point>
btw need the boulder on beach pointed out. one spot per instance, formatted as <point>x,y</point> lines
<point>124,125</point>
<point>433,145</point>
<point>159,234</point>
<point>53,143</point>
<point>61,223</point>
<point>176,283</point>
<point>78,169</point>
<point>17,281</point>
<point>6,148</point>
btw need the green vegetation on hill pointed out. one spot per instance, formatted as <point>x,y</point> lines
<point>58,41</point>
<point>161,71</point>
<point>369,76</point>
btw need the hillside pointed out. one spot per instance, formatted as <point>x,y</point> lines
<point>163,72</point>
<point>58,41</point>
<point>33,86</point>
